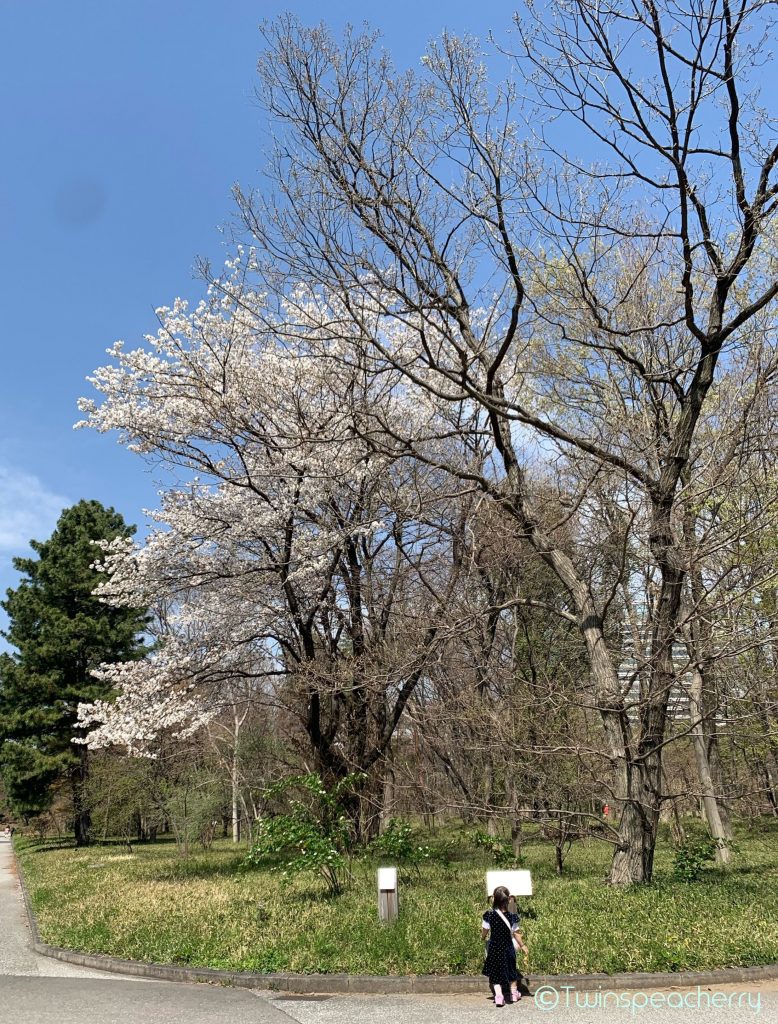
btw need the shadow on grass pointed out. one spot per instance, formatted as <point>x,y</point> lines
<point>45,845</point>
<point>180,869</point>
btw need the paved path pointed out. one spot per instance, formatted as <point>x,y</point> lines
<point>17,958</point>
<point>38,990</point>
<point>585,1009</point>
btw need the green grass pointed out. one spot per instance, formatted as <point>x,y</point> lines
<point>205,911</point>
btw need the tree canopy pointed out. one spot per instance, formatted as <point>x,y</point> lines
<point>61,633</point>
<point>450,346</point>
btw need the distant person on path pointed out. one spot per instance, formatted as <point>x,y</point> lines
<point>501,927</point>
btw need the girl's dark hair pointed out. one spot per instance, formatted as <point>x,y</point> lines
<point>500,898</point>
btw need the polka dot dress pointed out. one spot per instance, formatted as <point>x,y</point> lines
<point>500,963</point>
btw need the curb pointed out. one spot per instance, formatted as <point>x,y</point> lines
<point>370,984</point>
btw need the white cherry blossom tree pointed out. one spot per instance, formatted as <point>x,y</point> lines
<point>303,550</point>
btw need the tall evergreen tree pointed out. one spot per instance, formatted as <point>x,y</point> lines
<point>61,632</point>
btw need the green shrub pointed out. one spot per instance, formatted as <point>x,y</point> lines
<point>314,835</point>
<point>692,857</point>
<point>500,850</point>
<point>308,849</point>
<point>397,843</point>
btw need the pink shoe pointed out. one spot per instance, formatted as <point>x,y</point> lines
<point>515,996</point>
<point>499,999</point>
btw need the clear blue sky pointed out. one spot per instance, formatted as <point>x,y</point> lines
<point>124,124</point>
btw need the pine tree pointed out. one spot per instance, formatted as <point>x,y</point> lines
<point>61,632</point>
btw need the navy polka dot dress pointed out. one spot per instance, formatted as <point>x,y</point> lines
<point>500,963</point>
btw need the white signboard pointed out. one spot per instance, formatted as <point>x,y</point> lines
<point>387,879</point>
<point>518,883</point>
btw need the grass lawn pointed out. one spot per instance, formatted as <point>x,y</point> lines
<point>205,911</point>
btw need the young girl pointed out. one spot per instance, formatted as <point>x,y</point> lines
<point>501,927</point>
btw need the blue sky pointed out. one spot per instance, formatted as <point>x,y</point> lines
<point>124,126</point>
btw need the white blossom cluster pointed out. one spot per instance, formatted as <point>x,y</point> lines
<point>273,419</point>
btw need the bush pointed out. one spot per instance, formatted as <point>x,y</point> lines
<point>397,843</point>
<point>315,835</point>
<point>692,857</point>
<point>499,850</point>
<point>310,848</point>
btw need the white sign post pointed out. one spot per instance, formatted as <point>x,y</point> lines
<point>388,902</point>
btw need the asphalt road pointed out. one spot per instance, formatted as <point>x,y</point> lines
<point>37,990</point>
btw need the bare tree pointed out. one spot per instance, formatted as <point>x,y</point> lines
<point>524,278</point>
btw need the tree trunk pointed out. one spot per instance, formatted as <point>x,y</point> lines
<point>251,818</point>
<point>671,814</point>
<point>717,773</point>
<point>634,858</point>
<point>492,819</point>
<point>770,766</point>
<point>106,819</point>
<point>235,783</point>
<point>637,772</point>
<point>772,790</point>
<point>82,819</point>
<point>676,826</point>
<point>388,802</point>
<point>516,832</point>
<point>706,704</point>
<point>707,790</point>
<point>370,807</point>
<point>634,854</point>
